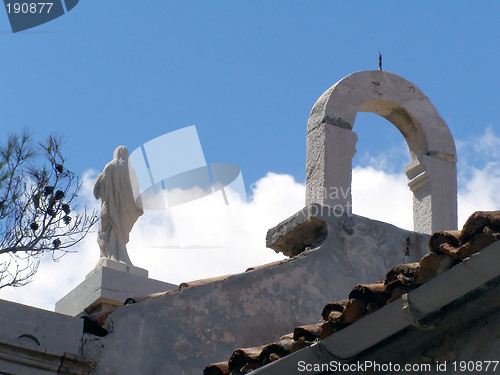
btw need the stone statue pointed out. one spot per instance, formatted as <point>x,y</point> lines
<point>119,210</point>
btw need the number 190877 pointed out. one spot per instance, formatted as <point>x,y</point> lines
<point>29,7</point>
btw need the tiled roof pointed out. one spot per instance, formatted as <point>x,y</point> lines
<point>447,249</point>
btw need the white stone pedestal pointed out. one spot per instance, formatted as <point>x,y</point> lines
<point>119,266</point>
<point>109,285</point>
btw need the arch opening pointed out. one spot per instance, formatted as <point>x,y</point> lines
<point>379,186</point>
<point>403,120</point>
<point>331,145</point>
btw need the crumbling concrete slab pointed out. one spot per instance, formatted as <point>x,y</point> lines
<point>295,234</point>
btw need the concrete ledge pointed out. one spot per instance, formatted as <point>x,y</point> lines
<point>360,244</point>
<point>107,287</point>
<point>20,360</point>
<point>119,266</point>
<point>40,330</point>
<point>295,234</point>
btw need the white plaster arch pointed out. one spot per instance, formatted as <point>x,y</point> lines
<point>331,145</point>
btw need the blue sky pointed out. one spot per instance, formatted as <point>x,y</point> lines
<point>247,74</point>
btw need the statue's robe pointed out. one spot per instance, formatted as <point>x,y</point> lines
<point>119,210</point>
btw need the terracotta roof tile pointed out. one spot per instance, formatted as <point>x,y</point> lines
<point>451,237</point>
<point>330,327</point>
<point>221,368</point>
<point>337,307</point>
<point>476,223</point>
<point>301,343</point>
<point>354,310</point>
<point>431,266</point>
<point>481,229</point>
<point>96,323</point>
<point>477,241</point>
<point>309,332</point>
<point>277,263</point>
<point>271,352</point>
<point>447,249</point>
<point>132,300</point>
<point>402,274</point>
<point>189,284</point>
<point>399,290</point>
<point>243,357</point>
<point>377,293</point>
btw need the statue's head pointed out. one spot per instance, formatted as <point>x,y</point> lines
<point>121,153</point>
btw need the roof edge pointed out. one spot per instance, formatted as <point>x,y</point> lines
<point>446,288</point>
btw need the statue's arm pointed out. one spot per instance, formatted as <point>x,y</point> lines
<point>97,187</point>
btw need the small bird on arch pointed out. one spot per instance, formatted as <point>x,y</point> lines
<point>379,61</point>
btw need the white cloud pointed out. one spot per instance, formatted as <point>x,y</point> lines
<point>488,144</point>
<point>383,196</point>
<point>377,193</point>
<point>480,191</point>
<point>478,174</point>
<point>274,198</point>
<point>154,245</point>
<point>476,152</point>
<point>392,160</point>
<point>380,193</point>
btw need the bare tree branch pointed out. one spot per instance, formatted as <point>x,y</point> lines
<point>37,207</point>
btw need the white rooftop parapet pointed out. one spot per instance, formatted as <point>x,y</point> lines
<point>331,145</point>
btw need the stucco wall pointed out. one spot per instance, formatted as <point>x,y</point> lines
<point>35,341</point>
<point>182,332</point>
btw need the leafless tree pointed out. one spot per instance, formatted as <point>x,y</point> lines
<point>37,207</point>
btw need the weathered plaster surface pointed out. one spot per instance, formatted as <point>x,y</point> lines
<point>40,342</point>
<point>181,332</point>
<point>39,329</point>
